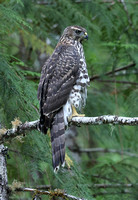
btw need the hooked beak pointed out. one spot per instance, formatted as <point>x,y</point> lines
<point>86,36</point>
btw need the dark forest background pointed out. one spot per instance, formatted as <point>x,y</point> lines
<point>29,32</point>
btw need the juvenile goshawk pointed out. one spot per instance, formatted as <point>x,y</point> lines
<point>62,88</point>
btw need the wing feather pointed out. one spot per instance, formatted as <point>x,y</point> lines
<point>58,77</point>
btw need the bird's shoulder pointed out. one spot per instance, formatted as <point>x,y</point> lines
<point>64,55</point>
<point>65,48</point>
<point>65,59</point>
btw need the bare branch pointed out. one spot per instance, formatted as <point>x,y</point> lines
<point>99,176</point>
<point>105,119</point>
<point>113,72</point>
<point>56,193</point>
<point>44,3</point>
<point>94,150</point>
<point>114,81</point>
<point>111,1</point>
<point>86,1</point>
<point>110,193</point>
<point>117,185</point>
<point>43,187</point>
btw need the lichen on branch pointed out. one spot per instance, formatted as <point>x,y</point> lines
<point>105,119</point>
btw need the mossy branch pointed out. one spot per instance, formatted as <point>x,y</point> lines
<point>54,193</point>
<point>105,119</point>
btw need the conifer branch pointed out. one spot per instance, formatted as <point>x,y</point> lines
<point>102,185</point>
<point>105,119</point>
<point>126,10</point>
<point>60,193</point>
<point>55,193</point>
<point>18,130</point>
<point>103,150</point>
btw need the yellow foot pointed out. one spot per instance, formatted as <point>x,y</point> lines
<point>68,160</point>
<point>75,114</point>
<point>48,132</point>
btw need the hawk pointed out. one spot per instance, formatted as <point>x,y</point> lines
<point>62,88</point>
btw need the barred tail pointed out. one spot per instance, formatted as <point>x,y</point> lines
<point>58,140</point>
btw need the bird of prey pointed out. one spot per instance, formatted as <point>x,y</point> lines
<point>62,88</point>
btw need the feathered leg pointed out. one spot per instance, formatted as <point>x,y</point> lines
<point>58,140</point>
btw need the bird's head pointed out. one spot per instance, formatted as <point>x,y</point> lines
<point>75,33</point>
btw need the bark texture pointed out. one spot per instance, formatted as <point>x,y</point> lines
<point>100,120</point>
<point>3,174</point>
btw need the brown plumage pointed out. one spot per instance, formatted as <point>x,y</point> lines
<point>62,84</point>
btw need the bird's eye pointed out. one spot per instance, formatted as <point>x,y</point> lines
<point>77,31</point>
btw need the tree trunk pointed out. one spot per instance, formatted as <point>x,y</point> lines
<point>3,174</point>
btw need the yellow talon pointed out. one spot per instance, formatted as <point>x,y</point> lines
<point>75,114</point>
<point>48,132</point>
<point>69,162</point>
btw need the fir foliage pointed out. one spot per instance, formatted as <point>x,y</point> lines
<point>29,31</point>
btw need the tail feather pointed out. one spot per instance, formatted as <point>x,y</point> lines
<point>44,123</point>
<point>58,140</point>
<point>42,126</point>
